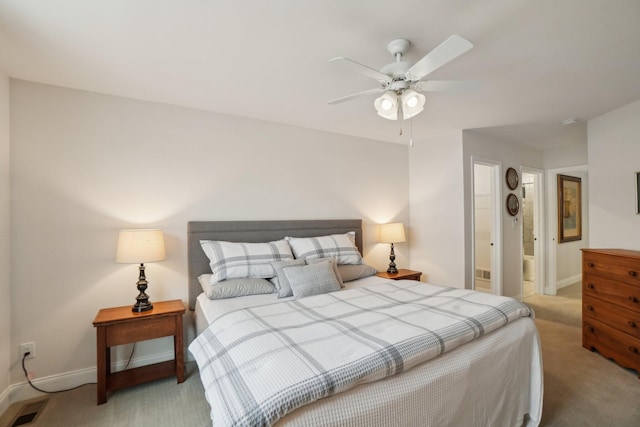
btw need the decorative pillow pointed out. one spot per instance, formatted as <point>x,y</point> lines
<point>233,260</point>
<point>234,287</point>
<point>280,280</point>
<point>312,279</point>
<point>334,265</point>
<point>353,272</point>
<point>339,246</point>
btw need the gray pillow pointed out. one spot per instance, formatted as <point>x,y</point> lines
<point>235,287</point>
<point>350,272</point>
<point>282,282</point>
<point>312,279</point>
<point>333,263</point>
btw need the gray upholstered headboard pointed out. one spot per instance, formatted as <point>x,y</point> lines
<point>252,232</point>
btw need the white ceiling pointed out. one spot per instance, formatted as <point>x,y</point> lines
<point>540,61</point>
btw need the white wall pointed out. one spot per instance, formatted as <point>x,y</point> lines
<point>5,211</point>
<point>614,153</point>
<point>85,165</point>
<point>510,155</point>
<point>572,150</point>
<point>568,254</point>
<point>437,210</point>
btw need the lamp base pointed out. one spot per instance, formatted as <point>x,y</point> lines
<point>142,300</point>
<point>392,265</point>
<point>141,306</point>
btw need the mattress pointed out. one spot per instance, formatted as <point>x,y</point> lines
<point>495,380</point>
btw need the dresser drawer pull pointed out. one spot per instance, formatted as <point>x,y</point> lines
<point>633,350</point>
<point>590,264</point>
<point>633,273</point>
<point>633,299</point>
<point>632,324</point>
<point>590,307</point>
<point>590,329</point>
<point>590,286</point>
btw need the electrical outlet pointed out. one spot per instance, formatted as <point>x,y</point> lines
<point>29,347</point>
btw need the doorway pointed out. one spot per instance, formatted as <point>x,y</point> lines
<point>486,229</point>
<point>532,259</point>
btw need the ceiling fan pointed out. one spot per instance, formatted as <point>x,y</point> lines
<point>401,82</point>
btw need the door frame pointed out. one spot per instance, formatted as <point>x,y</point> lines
<point>539,227</point>
<point>496,223</point>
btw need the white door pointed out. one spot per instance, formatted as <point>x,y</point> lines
<point>486,231</point>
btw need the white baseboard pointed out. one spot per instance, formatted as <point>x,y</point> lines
<point>4,400</point>
<point>23,391</point>
<point>568,281</point>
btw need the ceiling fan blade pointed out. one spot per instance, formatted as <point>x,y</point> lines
<point>447,51</point>
<point>446,86</point>
<point>362,69</point>
<point>356,95</point>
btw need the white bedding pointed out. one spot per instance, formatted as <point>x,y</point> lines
<point>494,380</point>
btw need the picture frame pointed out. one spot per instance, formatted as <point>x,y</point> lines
<point>637,193</point>
<point>569,208</point>
<point>511,177</point>
<point>513,204</point>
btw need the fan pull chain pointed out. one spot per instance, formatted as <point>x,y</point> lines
<point>411,131</point>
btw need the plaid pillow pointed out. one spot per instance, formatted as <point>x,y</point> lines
<point>339,246</point>
<point>232,260</point>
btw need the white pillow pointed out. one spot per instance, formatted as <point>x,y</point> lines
<point>235,260</point>
<point>339,246</point>
<point>312,279</point>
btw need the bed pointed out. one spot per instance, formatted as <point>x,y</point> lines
<point>494,379</point>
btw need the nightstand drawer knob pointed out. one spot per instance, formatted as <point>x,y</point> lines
<point>633,350</point>
<point>591,264</point>
<point>632,324</point>
<point>633,274</point>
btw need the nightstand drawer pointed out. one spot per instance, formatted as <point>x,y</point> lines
<point>127,332</point>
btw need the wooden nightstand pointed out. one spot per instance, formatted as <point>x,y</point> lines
<point>119,325</point>
<point>402,274</point>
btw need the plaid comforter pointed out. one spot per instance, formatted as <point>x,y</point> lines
<point>258,364</point>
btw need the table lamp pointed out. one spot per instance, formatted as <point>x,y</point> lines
<point>140,246</point>
<point>392,233</point>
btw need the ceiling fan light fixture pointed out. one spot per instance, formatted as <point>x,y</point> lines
<point>387,105</point>
<point>412,103</point>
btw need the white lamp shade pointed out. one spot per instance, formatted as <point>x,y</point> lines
<point>387,105</point>
<point>140,246</point>
<point>412,103</point>
<point>391,233</point>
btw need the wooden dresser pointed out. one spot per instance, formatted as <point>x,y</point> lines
<point>611,304</point>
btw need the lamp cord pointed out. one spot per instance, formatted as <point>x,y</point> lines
<point>24,369</point>
<point>26,374</point>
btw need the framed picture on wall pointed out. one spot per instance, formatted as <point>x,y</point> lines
<point>569,208</point>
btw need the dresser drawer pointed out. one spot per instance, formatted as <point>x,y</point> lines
<point>618,268</point>
<point>617,317</point>
<point>611,343</point>
<point>611,291</point>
